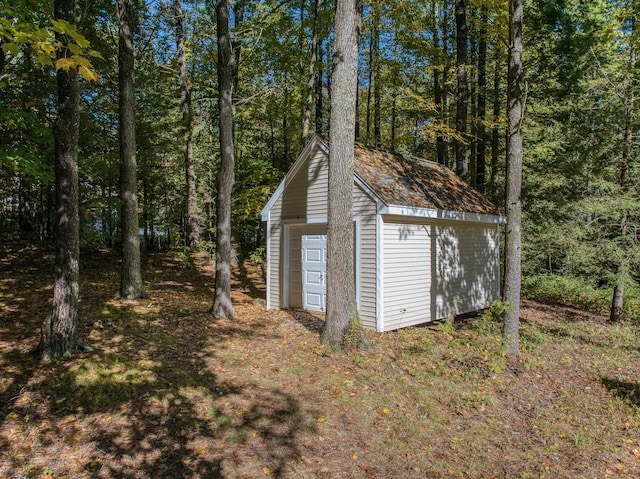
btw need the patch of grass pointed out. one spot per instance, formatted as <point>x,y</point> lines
<point>97,383</point>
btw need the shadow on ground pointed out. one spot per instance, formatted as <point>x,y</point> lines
<point>148,400</point>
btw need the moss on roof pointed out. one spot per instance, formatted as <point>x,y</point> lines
<point>407,181</point>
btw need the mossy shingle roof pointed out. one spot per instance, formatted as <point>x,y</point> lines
<point>408,181</point>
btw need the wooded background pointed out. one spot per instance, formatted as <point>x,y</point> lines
<point>432,83</point>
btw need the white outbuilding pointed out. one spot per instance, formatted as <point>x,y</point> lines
<point>426,243</point>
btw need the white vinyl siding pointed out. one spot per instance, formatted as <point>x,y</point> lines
<point>304,199</point>
<point>467,269</point>
<point>365,208</point>
<point>306,194</point>
<point>274,259</point>
<point>407,274</point>
<point>429,268</point>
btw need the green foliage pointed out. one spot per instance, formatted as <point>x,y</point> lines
<point>497,311</point>
<point>557,289</point>
<point>74,53</point>
<point>354,338</point>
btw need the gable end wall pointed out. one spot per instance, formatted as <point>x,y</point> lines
<point>303,200</point>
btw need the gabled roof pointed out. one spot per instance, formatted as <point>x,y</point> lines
<point>413,182</point>
<point>404,186</point>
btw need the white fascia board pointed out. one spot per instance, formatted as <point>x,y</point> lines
<point>440,214</point>
<point>314,144</point>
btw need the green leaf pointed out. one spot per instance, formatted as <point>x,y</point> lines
<point>75,49</point>
<point>45,60</point>
<point>10,48</point>
<point>79,39</point>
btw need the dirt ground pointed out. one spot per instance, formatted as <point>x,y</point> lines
<point>165,391</point>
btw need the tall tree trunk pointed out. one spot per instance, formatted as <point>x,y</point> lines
<point>394,119</point>
<point>617,300</point>
<point>482,101</point>
<point>377,135</point>
<point>370,81</point>
<point>446,67</point>
<point>437,88</point>
<point>59,331</point>
<point>227,72</point>
<point>308,99</point>
<point>285,125</point>
<point>342,316</point>
<point>472,83</point>
<point>193,223</point>
<point>462,158</point>
<point>616,312</point>
<point>495,129</point>
<point>319,86</point>
<point>131,285</point>
<point>512,281</point>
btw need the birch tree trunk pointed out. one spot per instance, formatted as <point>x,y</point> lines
<point>58,336</point>
<point>342,328</point>
<point>131,286</point>
<point>512,281</point>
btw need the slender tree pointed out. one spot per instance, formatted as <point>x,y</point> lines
<point>513,243</point>
<point>227,74</point>
<point>131,286</point>
<point>462,99</point>
<point>308,97</point>
<point>342,326</point>
<point>437,83</point>
<point>616,312</point>
<point>59,331</point>
<point>482,101</point>
<point>377,94</point>
<point>193,227</point>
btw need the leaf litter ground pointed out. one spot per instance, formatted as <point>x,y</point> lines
<point>167,392</point>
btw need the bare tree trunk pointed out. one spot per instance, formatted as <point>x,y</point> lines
<point>193,223</point>
<point>482,101</point>
<point>308,101</point>
<point>131,285</point>
<point>446,67</point>
<point>495,130</point>
<point>617,300</point>
<point>227,72</point>
<point>370,81</point>
<point>462,158</point>
<point>512,282</point>
<point>437,88</point>
<point>377,135</point>
<point>319,87</point>
<point>59,331</point>
<point>628,144</point>
<point>342,328</point>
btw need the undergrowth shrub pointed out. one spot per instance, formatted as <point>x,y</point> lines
<point>551,288</point>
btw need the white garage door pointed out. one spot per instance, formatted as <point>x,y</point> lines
<point>314,272</point>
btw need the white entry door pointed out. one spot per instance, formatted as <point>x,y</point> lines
<point>314,272</point>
